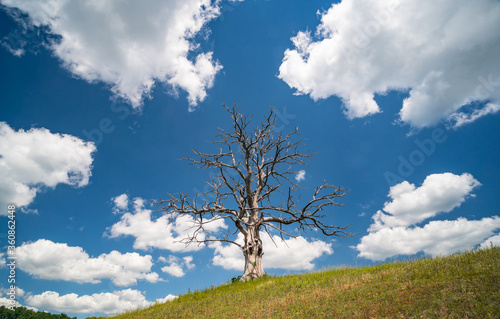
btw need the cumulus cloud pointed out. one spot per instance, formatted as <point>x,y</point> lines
<point>6,301</point>
<point>129,45</point>
<point>159,233</point>
<point>291,254</point>
<point>395,232</point>
<point>173,269</point>
<point>45,259</point>
<point>106,302</point>
<point>463,118</point>
<point>167,298</point>
<point>35,158</point>
<point>121,203</point>
<point>492,241</point>
<point>300,176</point>
<point>188,261</point>
<point>411,205</point>
<point>436,238</point>
<point>229,256</point>
<point>19,291</point>
<point>365,47</point>
<point>176,265</point>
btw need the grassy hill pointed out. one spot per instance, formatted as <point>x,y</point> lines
<point>465,285</point>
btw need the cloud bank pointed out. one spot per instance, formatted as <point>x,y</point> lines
<point>130,45</point>
<point>177,265</point>
<point>45,259</point>
<point>6,301</point>
<point>35,158</point>
<point>440,51</point>
<point>439,193</point>
<point>395,232</point>
<point>156,233</point>
<point>291,254</point>
<point>107,302</point>
<point>440,237</point>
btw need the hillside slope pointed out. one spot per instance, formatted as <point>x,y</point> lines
<point>465,285</point>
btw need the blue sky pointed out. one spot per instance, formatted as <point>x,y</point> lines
<point>399,99</point>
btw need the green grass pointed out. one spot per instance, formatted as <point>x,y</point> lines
<point>465,285</point>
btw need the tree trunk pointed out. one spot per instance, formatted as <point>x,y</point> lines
<point>253,255</point>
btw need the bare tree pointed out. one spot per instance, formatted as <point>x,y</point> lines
<point>252,169</point>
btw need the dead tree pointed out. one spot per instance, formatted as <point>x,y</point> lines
<point>252,169</point>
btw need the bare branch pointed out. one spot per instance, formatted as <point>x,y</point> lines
<point>252,168</point>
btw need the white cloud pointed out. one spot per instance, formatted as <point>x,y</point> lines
<point>300,176</point>
<point>188,261</point>
<point>35,158</point>
<point>367,47</point>
<point>176,265</point>
<point>160,233</point>
<point>130,45</point>
<point>162,259</point>
<point>167,298</point>
<point>395,233</point>
<point>493,240</point>
<point>56,261</point>
<point>461,118</point>
<point>294,253</point>
<point>173,269</point>
<point>7,303</point>
<point>229,256</point>
<point>106,302</point>
<point>19,292</point>
<point>5,298</point>
<point>121,203</point>
<point>291,254</point>
<point>436,238</point>
<point>411,205</point>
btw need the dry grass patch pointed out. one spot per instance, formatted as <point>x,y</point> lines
<point>465,285</point>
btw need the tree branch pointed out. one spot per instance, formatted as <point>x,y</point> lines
<point>251,166</point>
